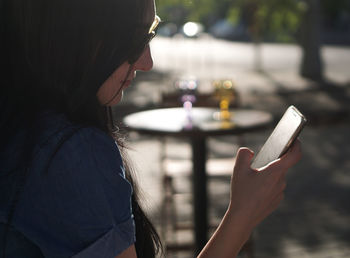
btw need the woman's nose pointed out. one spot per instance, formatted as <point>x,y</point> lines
<point>145,62</point>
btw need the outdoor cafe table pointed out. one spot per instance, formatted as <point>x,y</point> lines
<point>175,122</point>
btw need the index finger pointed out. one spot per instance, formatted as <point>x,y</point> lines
<point>289,159</point>
<point>293,155</point>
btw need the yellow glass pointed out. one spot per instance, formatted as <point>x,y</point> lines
<point>225,92</point>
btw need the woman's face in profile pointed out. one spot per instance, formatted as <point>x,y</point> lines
<point>111,91</point>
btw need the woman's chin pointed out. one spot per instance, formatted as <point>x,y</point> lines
<point>117,99</point>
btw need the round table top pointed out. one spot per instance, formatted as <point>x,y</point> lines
<point>199,122</point>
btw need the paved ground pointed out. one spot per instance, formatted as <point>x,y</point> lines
<point>314,219</point>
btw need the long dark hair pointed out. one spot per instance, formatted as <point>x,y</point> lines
<point>55,55</point>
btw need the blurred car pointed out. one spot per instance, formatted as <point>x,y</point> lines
<point>168,29</point>
<point>225,29</point>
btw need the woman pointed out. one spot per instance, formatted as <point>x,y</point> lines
<point>66,187</point>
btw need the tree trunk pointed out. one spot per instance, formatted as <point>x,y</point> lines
<point>310,40</point>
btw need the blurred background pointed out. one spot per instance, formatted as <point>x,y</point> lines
<point>277,53</point>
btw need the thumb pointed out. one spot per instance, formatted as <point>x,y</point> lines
<point>244,158</point>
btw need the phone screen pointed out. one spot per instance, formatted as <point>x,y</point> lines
<point>282,137</point>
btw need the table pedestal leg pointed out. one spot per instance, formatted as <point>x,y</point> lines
<point>199,184</point>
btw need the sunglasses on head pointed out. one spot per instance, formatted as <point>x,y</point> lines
<point>140,47</point>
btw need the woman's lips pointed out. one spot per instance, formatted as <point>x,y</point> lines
<point>126,83</point>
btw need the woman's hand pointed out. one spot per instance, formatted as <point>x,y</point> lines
<point>255,193</point>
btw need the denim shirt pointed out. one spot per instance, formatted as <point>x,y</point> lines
<point>75,202</point>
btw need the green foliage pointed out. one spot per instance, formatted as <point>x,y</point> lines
<point>271,19</point>
<point>333,11</point>
<point>173,10</point>
<point>333,8</point>
<point>276,20</point>
<point>204,11</point>
<point>233,15</point>
<point>180,11</point>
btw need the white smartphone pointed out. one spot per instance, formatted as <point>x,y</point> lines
<point>282,137</point>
